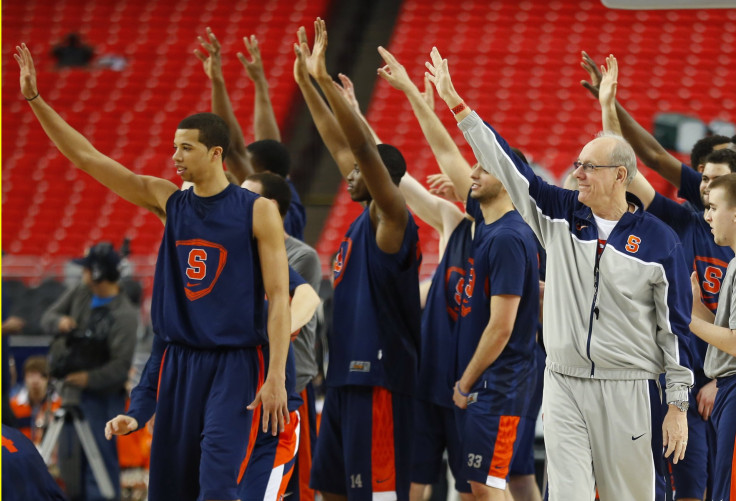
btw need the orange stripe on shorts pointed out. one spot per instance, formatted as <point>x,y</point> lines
<point>160,371</point>
<point>383,457</point>
<point>256,417</point>
<point>504,448</point>
<point>304,455</point>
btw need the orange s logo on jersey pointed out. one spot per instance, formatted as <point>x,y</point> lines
<point>468,289</point>
<point>8,444</point>
<point>197,264</point>
<point>711,271</point>
<point>197,254</point>
<point>712,279</point>
<point>341,260</point>
<point>632,244</point>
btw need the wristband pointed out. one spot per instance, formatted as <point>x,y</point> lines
<point>34,97</point>
<point>457,386</point>
<point>457,109</point>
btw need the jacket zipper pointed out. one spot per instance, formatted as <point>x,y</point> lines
<point>594,307</point>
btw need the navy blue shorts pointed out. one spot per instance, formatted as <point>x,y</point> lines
<point>523,462</point>
<point>436,430</point>
<point>364,446</point>
<point>724,421</point>
<point>489,439</point>
<point>271,463</point>
<point>202,427</point>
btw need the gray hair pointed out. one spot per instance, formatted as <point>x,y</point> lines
<point>622,154</point>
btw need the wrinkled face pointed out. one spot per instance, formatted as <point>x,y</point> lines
<point>191,158</point>
<point>722,218</point>
<point>485,187</point>
<point>36,384</point>
<point>356,186</point>
<point>711,172</point>
<point>597,187</point>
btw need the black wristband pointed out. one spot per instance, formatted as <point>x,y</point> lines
<point>34,97</point>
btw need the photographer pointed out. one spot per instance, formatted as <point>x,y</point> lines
<point>95,327</point>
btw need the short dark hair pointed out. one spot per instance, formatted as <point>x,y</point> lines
<point>36,363</point>
<point>212,129</point>
<point>724,156</point>
<point>393,160</point>
<point>274,187</point>
<point>728,183</point>
<point>270,155</point>
<point>704,147</point>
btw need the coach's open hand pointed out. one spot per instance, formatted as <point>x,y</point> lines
<point>674,433</point>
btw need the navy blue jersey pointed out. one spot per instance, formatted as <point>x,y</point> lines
<point>504,261</point>
<point>437,360</point>
<point>376,322</point>
<point>702,255</point>
<point>296,217</point>
<point>690,188</point>
<point>25,475</point>
<point>208,289</point>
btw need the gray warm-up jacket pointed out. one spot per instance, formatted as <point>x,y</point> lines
<point>623,316</point>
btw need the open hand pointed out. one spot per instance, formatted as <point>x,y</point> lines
<point>439,75</point>
<point>316,64</point>
<point>302,52</point>
<point>394,72</point>
<point>275,411</point>
<point>346,89</point>
<point>212,62</point>
<point>254,65</point>
<point>609,82</point>
<point>28,86</point>
<point>593,72</point>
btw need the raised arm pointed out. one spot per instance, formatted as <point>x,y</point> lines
<point>607,96</point>
<point>440,214</point>
<point>269,234</point>
<point>237,160</point>
<point>264,119</point>
<point>347,90</point>
<point>327,126</point>
<point>148,192</point>
<point>443,146</point>
<point>648,149</point>
<point>384,193</point>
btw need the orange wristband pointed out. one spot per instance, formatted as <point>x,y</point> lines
<point>457,109</point>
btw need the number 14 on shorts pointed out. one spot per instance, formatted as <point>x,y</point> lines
<point>356,481</point>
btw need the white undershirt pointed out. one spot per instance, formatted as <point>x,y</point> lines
<point>605,226</point>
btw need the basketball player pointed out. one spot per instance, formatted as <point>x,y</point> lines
<point>363,450</point>
<point>222,250</point>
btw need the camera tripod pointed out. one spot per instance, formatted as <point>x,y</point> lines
<point>73,414</point>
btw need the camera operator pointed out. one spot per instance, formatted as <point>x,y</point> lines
<point>95,326</point>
